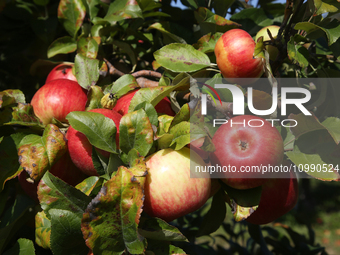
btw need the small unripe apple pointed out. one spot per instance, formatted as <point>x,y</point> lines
<point>234,52</point>
<point>123,103</point>
<point>274,30</point>
<point>62,71</point>
<point>170,192</point>
<point>278,197</point>
<point>58,98</point>
<point>81,149</point>
<point>246,149</point>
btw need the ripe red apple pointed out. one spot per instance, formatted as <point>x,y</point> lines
<point>278,197</point>
<point>80,148</point>
<point>63,169</point>
<point>234,52</point>
<point>123,103</point>
<point>240,146</point>
<point>274,30</point>
<point>62,71</point>
<point>58,98</point>
<point>170,192</point>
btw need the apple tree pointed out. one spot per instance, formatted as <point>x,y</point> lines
<point>152,63</point>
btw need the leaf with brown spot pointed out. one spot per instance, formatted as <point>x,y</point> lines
<point>23,115</point>
<point>11,96</point>
<point>54,193</point>
<point>241,213</point>
<point>88,47</point>
<point>135,132</point>
<point>123,9</point>
<point>42,230</point>
<point>37,154</point>
<point>110,222</point>
<point>71,14</point>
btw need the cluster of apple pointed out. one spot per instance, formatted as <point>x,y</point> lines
<point>235,145</point>
<point>242,145</point>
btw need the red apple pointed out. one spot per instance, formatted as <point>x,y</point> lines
<point>58,98</point>
<point>274,30</point>
<point>242,147</point>
<point>234,52</point>
<point>170,192</point>
<point>80,148</point>
<point>278,197</point>
<point>62,71</point>
<point>123,103</point>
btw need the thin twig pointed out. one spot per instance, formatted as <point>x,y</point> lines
<point>147,73</point>
<point>146,83</point>
<point>112,69</point>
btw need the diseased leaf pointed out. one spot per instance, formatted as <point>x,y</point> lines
<point>54,193</point>
<point>23,115</point>
<point>88,184</point>
<point>241,213</point>
<point>88,47</point>
<point>110,222</point>
<point>123,9</point>
<point>62,45</point>
<point>179,57</point>
<point>71,14</point>
<point>11,96</point>
<point>37,154</point>
<point>207,42</point>
<point>42,230</point>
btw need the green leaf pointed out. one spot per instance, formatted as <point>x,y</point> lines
<point>42,230</point>
<point>164,28</point>
<point>66,235</point>
<point>150,111</point>
<point>11,96</point>
<point>135,132</point>
<point>54,193</point>
<point>182,115</point>
<point>37,154</point>
<point>86,71</point>
<point>322,7</point>
<point>297,53</point>
<point>215,216</point>
<point>183,133</point>
<point>94,97</point>
<point>221,6</point>
<point>14,218</point>
<point>332,125</point>
<point>62,45</point>
<point>21,247</point>
<point>154,95</point>
<point>126,47</point>
<point>123,9</point>
<point>211,23</point>
<point>157,229</point>
<point>122,85</point>
<point>93,7</point>
<point>110,222</point>
<point>100,130</point>
<point>71,14</point>
<point>9,161</point>
<point>316,154</point>
<point>88,47</point>
<point>332,29</point>
<point>252,19</point>
<point>181,58</point>
<point>88,184</point>
<point>207,42</point>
